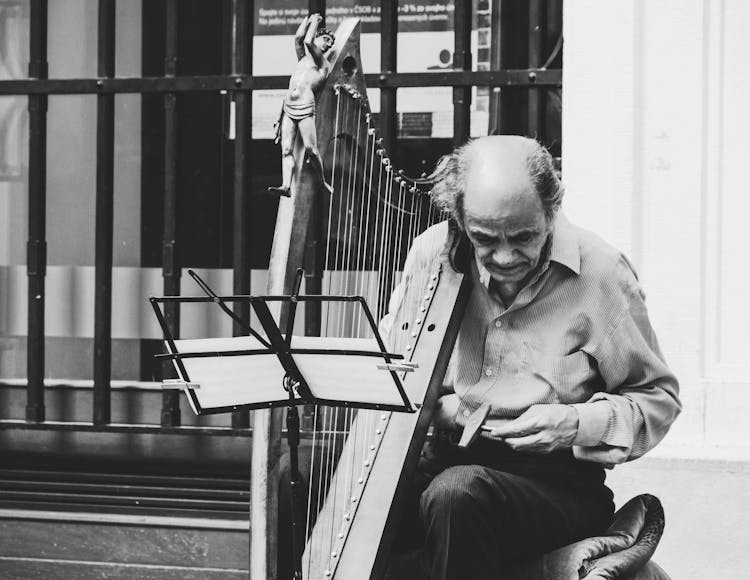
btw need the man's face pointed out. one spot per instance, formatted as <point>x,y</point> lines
<point>324,42</point>
<point>504,220</point>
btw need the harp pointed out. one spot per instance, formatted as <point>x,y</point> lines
<point>364,458</point>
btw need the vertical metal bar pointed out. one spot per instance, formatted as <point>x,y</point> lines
<point>388,51</point>
<point>36,249</point>
<point>241,64</point>
<point>462,61</point>
<point>171,269</point>
<point>319,7</point>
<point>105,146</point>
<point>495,59</point>
<point>388,121</point>
<point>536,46</point>
<point>513,53</point>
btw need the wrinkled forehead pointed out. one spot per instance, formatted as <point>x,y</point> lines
<point>504,214</point>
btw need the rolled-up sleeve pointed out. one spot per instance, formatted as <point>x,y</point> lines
<point>640,399</point>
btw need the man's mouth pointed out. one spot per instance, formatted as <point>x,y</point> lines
<point>507,270</point>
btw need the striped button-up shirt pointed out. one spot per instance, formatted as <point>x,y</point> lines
<point>577,333</point>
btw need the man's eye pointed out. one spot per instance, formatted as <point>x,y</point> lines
<point>522,238</point>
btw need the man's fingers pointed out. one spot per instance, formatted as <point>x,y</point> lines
<point>535,443</point>
<point>527,443</point>
<point>517,428</point>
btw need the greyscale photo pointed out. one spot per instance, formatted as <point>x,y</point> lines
<point>373,290</point>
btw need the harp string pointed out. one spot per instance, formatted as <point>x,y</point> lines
<point>376,216</point>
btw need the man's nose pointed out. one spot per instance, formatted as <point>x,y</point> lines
<point>503,256</point>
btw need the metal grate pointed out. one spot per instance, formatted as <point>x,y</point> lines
<point>519,83</point>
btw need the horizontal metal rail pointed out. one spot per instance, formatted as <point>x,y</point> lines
<point>143,428</point>
<point>146,428</point>
<point>498,78</point>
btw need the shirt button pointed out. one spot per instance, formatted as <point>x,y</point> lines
<point>498,324</point>
<point>488,372</point>
<point>466,413</point>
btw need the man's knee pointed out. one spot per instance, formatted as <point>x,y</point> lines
<point>287,150</point>
<point>457,489</point>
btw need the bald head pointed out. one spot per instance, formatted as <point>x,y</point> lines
<point>496,178</point>
<point>496,168</point>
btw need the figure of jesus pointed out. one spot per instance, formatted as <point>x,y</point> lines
<point>298,111</point>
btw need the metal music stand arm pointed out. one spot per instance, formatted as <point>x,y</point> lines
<point>294,382</point>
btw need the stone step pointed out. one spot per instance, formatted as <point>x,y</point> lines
<point>80,545</point>
<point>706,501</point>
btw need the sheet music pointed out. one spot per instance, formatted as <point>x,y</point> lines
<point>236,380</point>
<point>258,378</point>
<point>346,377</point>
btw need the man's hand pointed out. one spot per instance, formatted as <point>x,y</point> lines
<point>446,411</point>
<point>541,429</point>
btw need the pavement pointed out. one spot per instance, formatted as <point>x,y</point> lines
<point>707,506</point>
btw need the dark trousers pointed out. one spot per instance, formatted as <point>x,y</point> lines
<point>475,512</point>
<point>472,513</point>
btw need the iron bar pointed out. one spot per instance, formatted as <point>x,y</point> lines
<point>462,61</point>
<point>513,52</point>
<point>241,64</point>
<point>105,145</point>
<point>36,255</point>
<point>536,48</point>
<point>388,47</point>
<point>135,428</point>
<point>493,124</point>
<point>319,7</point>
<point>122,428</point>
<point>171,269</point>
<point>451,78</point>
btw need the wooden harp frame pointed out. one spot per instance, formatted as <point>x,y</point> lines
<point>378,511</point>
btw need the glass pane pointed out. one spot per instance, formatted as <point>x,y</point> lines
<point>72,38</point>
<point>425,43</point>
<point>128,38</point>
<point>13,221</point>
<point>14,38</point>
<point>71,194</point>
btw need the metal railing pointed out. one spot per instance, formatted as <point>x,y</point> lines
<point>239,83</point>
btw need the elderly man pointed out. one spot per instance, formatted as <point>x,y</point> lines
<point>556,343</point>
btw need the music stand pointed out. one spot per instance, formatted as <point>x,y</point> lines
<point>306,370</point>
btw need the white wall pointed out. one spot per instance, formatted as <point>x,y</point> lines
<point>654,143</point>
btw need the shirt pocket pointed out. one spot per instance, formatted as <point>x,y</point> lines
<point>572,376</point>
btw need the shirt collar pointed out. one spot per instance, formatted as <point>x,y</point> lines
<point>564,251</point>
<point>565,248</point>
